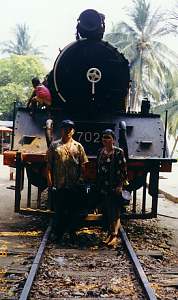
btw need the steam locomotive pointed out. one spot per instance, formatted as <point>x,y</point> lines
<point>90,84</point>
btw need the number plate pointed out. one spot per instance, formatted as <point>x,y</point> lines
<point>89,135</point>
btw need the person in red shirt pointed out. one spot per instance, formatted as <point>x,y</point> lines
<point>41,94</point>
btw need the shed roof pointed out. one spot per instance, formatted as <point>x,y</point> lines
<point>6,123</point>
<point>5,129</point>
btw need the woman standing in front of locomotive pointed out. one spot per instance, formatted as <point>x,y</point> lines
<point>111,178</point>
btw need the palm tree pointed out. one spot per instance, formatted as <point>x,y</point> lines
<point>149,59</point>
<point>22,45</point>
<point>172,108</point>
<point>173,19</point>
<point>170,103</point>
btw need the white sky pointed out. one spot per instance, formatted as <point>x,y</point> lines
<point>53,22</point>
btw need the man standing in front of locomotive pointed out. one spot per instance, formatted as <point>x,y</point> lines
<point>40,96</point>
<point>111,179</point>
<point>66,164</point>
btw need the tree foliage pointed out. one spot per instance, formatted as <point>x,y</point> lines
<point>173,19</point>
<point>151,61</point>
<point>22,43</point>
<point>171,105</point>
<point>172,108</point>
<point>16,73</point>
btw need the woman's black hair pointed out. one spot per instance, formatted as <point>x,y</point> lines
<point>109,132</point>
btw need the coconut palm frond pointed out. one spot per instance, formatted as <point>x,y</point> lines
<point>173,124</point>
<point>154,92</point>
<point>152,63</point>
<point>125,28</point>
<point>166,54</point>
<point>22,44</point>
<point>140,14</point>
<point>153,23</point>
<point>172,108</point>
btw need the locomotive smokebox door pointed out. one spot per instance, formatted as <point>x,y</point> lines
<point>91,69</point>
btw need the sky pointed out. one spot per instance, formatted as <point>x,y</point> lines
<point>53,22</point>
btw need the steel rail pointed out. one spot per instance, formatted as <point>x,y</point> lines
<point>137,267</point>
<point>35,266</point>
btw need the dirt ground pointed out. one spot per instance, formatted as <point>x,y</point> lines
<point>8,218</point>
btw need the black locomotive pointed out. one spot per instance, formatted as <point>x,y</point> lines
<point>90,84</point>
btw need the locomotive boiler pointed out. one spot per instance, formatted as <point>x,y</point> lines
<point>90,84</point>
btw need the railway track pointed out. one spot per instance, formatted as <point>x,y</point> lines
<point>95,272</point>
<point>84,268</point>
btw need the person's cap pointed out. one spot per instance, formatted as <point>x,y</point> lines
<point>67,124</point>
<point>108,132</point>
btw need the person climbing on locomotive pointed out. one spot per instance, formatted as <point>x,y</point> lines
<point>66,164</point>
<point>41,94</point>
<point>111,178</point>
